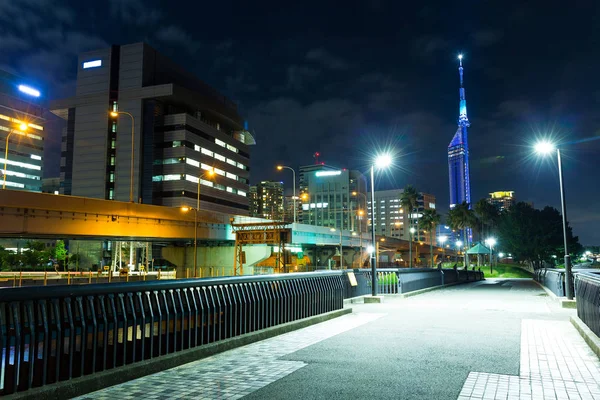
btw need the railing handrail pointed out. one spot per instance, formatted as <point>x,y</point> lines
<point>59,291</point>
<point>593,276</point>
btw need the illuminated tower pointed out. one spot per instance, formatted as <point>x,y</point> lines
<point>458,153</point>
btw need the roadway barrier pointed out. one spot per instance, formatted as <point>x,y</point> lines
<point>56,333</point>
<point>587,286</point>
<point>552,278</point>
<point>404,280</point>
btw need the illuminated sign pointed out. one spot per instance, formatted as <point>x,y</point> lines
<point>29,90</point>
<point>92,64</point>
<point>328,173</point>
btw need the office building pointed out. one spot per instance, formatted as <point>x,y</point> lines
<point>333,197</point>
<point>392,220</point>
<point>266,200</point>
<point>22,123</point>
<point>51,185</point>
<point>171,124</point>
<point>288,206</point>
<point>458,153</point>
<point>502,200</point>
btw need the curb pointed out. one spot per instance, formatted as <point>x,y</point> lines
<point>590,337</point>
<point>563,302</point>
<point>101,380</point>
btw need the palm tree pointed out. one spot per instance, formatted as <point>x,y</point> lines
<point>487,216</point>
<point>461,217</point>
<point>428,221</point>
<point>408,201</point>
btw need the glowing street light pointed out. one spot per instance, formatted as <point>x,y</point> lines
<point>115,114</point>
<point>210,172</point>
<point>459,245</point>
<point>281,168</point>
<point>491,242</point>
<point>381,161</point>
<point>22,128</point>
<point>544,148</point>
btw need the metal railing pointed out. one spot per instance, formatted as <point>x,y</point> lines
<point>553,279</point>
<point>587,285</point>
<point>56,333</point>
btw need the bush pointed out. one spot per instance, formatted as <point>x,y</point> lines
<point>387,279</point>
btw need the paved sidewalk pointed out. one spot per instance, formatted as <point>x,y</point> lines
<point>497,339</point>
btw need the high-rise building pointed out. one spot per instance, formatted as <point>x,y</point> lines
<point>502,200</point>
<point>392,220</point>
<point>332,197</point>
<point>458,153</point>
<point>171,126</point>
<point>266,200</point>
<point>22,122</point>
<point>51,185</point>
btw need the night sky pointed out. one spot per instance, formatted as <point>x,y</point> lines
<point>348,78</point>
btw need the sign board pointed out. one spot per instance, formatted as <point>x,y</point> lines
<point>352,279</point>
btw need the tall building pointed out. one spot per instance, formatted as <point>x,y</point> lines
<point>179,128</point>
<point>51,185</point>
<point>502,200</point>
<point>458,153</point>
<point>22,121</point>
<point>266,200</point>
<point>333,198</point>
<point>392,220</point>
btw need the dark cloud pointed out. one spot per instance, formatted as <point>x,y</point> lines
<point>175,35</point>
<point>298,76</point>
<point>136,12</point>
<point>326,59</point>
<point>486,37</point>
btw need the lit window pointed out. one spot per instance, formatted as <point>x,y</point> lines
<point>113,143</point>
<point>196,147</point>
<point>115,106</point>
<point>112,160</point>
<point>231,162</point>
<point>207,183</point>
<point>220,142</point>
<point>191,178</point>
<point>207,152</point>
<point>111,194</point>
<point>229,189</point>
<point>241,166</point>
<point>114,126</point>
<point>230,147</point>
<point>35,157</point>
<point>192,162</point>
<point>171,177</point>
<point>92,64</point>
<point>205,167</point>
<point>220,157</point>
<point>220,171</point>
<point>231,176</point>
<point>241,193</point>
<point>111,177</point>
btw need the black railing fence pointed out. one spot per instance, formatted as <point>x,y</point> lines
<point>552,278</point>
<point>56,333</point>
<point>587,286</point>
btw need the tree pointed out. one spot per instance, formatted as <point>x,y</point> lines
<point>408,201</point>
<point>487,216</point>
<point>461,217</point>
<point>534,236</point>
<point>428,221</point>
<point>60,252</point>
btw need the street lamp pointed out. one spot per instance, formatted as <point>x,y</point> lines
<point>442,240</point>
<point>281,167</point>
<point>543,148</point>
<point>459,244</point>
<point>115,114</point>
<point>491,242</point>
<point>341,253</point>
<point>22,128</point>
<point>412,231</point>
<point>210,172</point>
<point>382,161</point>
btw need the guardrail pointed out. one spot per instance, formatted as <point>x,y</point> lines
<point>553,279</point>
<point>404,280</point>
<point>587,285</point>
<point>56,333</point>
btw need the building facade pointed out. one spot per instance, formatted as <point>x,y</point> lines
<point>458,153</point>
<point>502,200</point>
<point>334,198</point>
<point>51,185</point>
<point>392,220</point>
<point>22,123</point>
<point>266,200</point>
<point>170,129</point>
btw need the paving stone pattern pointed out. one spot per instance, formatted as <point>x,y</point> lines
<point>556,363</point>
<point>234,373</point>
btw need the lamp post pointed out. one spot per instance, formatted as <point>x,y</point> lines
<point>459,244</point>
<point>115,114</point>
<point>281,167</point>
<point>411,231</point>
<point>442,240</point>
<point>545,147</point>
<point>381,162</point>
<point>491,242</point>
<point>197,209</point>
<point>22,128</point>
<point>341,253</point>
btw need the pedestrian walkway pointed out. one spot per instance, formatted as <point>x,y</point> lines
<point>499,339</point>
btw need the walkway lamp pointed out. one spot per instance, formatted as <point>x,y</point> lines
<point>546,148</point>
<point>382,161</point>
<point>115,114</point>
<point>282,167</point>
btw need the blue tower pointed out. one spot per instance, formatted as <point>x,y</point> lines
<point>458,153</point>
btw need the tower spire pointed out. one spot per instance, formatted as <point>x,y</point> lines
<point>463,120</point>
